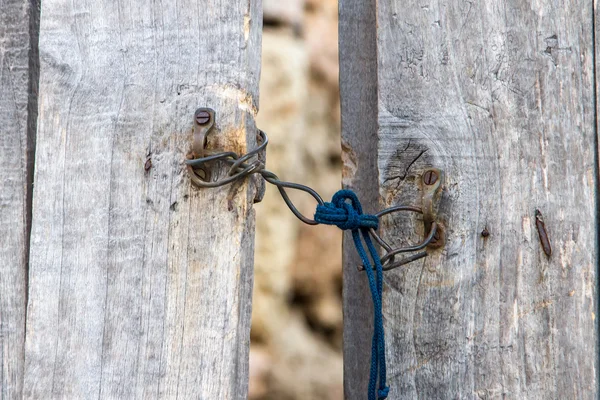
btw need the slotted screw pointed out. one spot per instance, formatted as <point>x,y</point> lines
<point>430,177</point>
<point>202,117</point>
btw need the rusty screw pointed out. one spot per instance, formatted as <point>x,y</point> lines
<point>202,117</point>
<point>430,177</point>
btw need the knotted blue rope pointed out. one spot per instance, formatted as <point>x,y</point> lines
<point>349,216</point>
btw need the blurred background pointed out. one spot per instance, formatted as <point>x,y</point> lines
<point>297,310</point>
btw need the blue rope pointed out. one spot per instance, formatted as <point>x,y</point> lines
<point>349,216</point>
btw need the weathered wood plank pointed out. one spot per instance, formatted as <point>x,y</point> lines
<point>499,95</point>
<point>18,80</point>
<point>358,94</point>
<point>140,284</point>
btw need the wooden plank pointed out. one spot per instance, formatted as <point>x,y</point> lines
<point>358,94</point>
<point>140,284</point>
<point>17,120</point>
<point>499,95</point>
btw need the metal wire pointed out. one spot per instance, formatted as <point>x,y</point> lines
<point>250,163</point>
<point>240,167</point>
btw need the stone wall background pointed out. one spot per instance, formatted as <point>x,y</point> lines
<point>297,315</point>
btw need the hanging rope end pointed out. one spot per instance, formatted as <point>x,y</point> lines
<point>383,393</point>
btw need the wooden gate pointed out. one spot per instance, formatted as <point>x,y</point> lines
<point>118,279</point>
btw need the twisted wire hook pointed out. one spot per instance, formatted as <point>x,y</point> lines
<point>242,166</point>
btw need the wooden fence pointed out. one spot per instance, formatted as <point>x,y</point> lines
<point>119,279</point>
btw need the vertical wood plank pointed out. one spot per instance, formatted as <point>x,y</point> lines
<point>358,94</point>
<point>500,95</point>
<point>140,284</point>
<point>17,119</point>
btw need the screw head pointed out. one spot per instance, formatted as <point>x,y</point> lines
<point>485,233</point>
<point>202,117</point>
<point>430,177</point>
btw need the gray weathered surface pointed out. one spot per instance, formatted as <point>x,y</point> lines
<point>498,94</point>
<point>140,285</point>
<point>16,147</point>
<point>358,92</point>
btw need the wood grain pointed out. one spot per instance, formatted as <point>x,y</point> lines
<point>358,93</point>
<point>18,80</point>
<point>140,284</point>
<point>500,95</point>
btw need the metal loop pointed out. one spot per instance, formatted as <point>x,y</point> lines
<point>248,169</point>
<point>388,258</point>
<point>408,249</point>
<point>263,145</point>
<point>380,214</point>
<point>242,166</point>
<point>281,185</point>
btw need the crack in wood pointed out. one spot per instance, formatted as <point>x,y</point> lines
<point>406,170</point>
